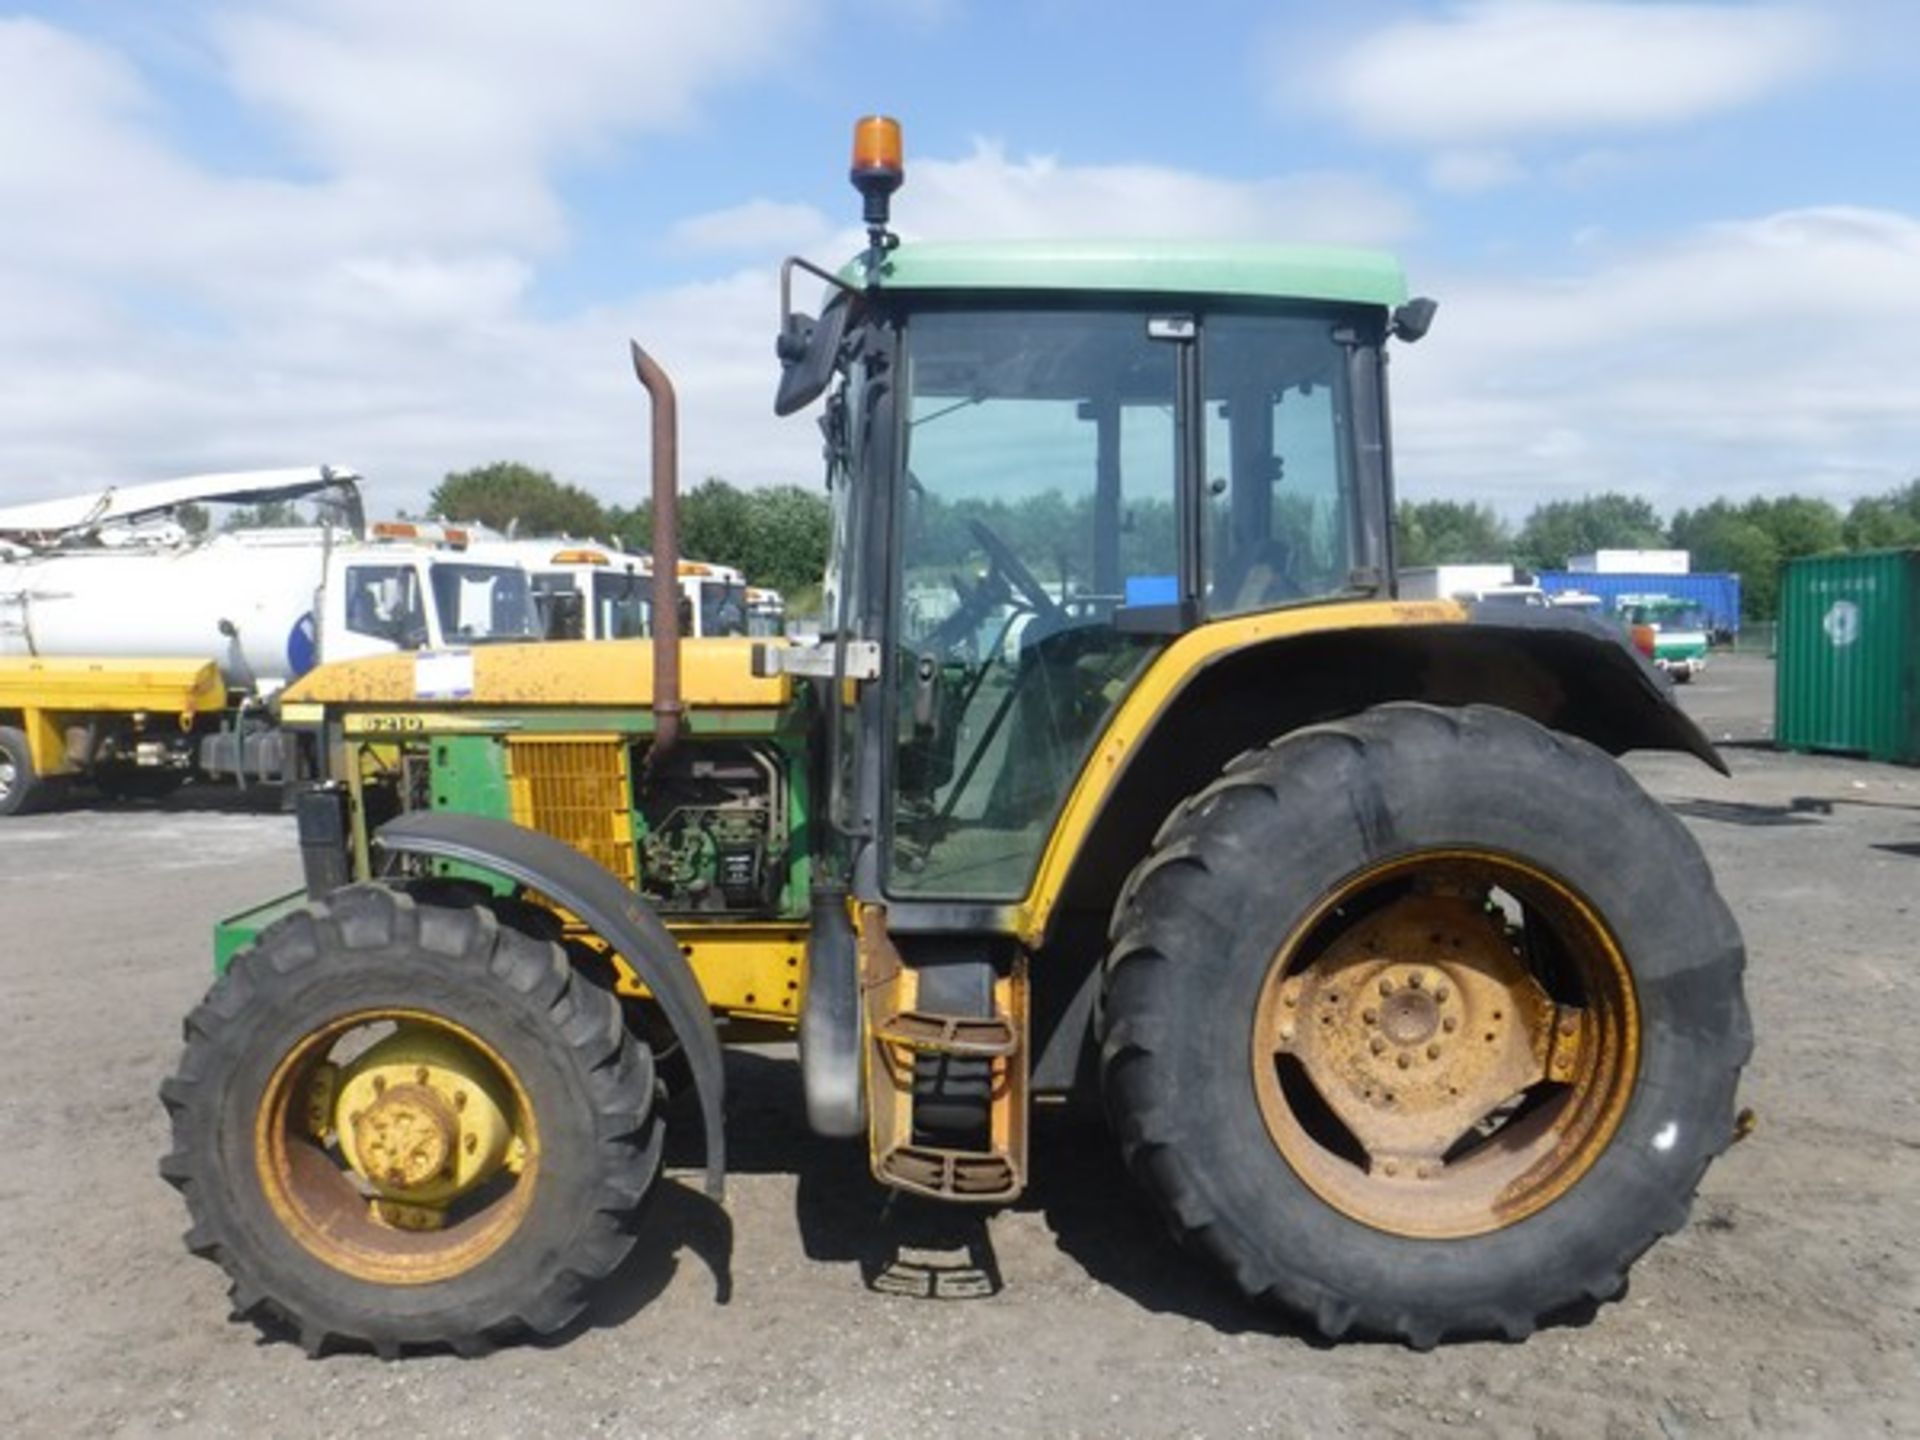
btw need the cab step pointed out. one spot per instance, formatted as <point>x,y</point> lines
<point>902,1034</point>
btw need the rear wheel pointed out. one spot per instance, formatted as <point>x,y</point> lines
<point>19,782</point>
<point>401,1124</point>
<point>1424,1023</point>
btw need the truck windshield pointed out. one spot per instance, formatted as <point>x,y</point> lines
<point>723,607</point>
<point>622,605</point>
<point>478,604</point>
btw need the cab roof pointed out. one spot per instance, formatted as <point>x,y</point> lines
<point>1293,272</point>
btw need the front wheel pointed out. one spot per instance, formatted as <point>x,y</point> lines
<point>401,1124</point>
<point>1425,1023</point>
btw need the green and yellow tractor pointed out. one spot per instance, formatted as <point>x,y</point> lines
<point>1116,768</point>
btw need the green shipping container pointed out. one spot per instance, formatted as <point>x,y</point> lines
<point>1848,676</point>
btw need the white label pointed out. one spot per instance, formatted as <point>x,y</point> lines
<point>443,675</point>
<point>1842,623</point>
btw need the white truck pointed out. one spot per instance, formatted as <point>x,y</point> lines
<point>1502,584</point>
<point>615,590</point>
<point>135,652</point>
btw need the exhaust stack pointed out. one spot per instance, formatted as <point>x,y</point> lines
<point>666,553</point>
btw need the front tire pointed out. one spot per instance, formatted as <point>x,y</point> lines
<point>1425,1023</point>
<point>355,1219</point>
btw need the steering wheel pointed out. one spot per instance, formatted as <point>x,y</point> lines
<point>1015,569</point>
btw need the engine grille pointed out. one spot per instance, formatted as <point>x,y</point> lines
<point>577,791</point>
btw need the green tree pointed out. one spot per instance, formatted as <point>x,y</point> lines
<point>786,543</point>
<point>1449,532</point>
<point>1880,522</point>
<point>1753,538</point>
<point>776,536</point>
<point>1721,536</point>
<point>506,492</point>
<point>1560,529</point>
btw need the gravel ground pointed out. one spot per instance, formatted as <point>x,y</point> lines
<point>1791,1305</point>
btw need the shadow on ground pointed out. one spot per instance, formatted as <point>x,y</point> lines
<point>905,1245</point>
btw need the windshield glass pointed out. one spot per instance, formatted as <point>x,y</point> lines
<point>545,585</point>
<point>1282,519</point>
<point>482,603</point>
<point>622,605</point>
<point>1038,499</point>
<point>723,607</point>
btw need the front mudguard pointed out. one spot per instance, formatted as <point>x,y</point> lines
<point>612,912</point>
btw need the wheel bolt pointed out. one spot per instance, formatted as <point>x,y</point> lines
<point>1433,1052</point>
<point>1416,979</point>
<point>1372,1017</point>
<point>1378,1043</point>
<point>1404,1061</point>
<point>1386,986</point>
<point>1442,991</point>
<point>1449,1024</point>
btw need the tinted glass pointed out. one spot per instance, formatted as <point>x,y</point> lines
<point>1039,499</point>
<point>1281,504</point>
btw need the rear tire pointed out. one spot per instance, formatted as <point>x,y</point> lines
<point>584,1086</point>
<point>1236,876</point>
<point>21,788</point>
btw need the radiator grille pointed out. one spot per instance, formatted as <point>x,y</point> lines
<point>576,791</point>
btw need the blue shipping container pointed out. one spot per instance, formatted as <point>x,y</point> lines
<point>1717,594</point>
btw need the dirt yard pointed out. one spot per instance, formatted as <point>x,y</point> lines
<point>811,1306</point>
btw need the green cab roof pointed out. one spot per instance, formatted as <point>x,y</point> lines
<point>1292,272</point>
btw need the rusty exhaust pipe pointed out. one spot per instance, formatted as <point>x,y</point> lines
<point>666,554</point>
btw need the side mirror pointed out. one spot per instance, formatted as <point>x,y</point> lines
<point>1413,319</point>
<point>807,349</point>
<point>566,615</point>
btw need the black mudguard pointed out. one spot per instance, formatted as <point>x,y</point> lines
<point>612,912</point>
<point>1603,689</point>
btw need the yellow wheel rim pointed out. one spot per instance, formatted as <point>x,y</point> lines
<point>401,1184</point>
<point>1446,1044</point>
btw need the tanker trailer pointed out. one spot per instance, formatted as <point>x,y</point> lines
<point>134,654</point>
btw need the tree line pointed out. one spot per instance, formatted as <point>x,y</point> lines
<point>775,536</point>
<point>778,535</point>
<point>1750,538</point>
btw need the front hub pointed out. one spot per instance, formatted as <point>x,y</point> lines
<point>418,1118</point>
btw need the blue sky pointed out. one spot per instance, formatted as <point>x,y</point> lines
<point>1677,246</point>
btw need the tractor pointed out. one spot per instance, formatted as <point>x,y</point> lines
<point>1117,769</point>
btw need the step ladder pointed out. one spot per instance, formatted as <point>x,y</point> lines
<point>899,1033</point>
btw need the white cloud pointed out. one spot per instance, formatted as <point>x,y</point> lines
<point>1500,71</point>
<point>987,195</point>
<point>165,317</point>
<point>1757,356</point>
<point>1470,172</point>
<point>758,225</point>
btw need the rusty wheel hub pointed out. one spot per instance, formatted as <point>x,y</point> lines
<point>1439,1057</point>
<point>406,1140</point>
<point>406,1163</point>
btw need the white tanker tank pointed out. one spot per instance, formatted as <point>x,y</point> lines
<point>245,601</point>
<point>134,651</point>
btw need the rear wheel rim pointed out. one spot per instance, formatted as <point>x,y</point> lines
<point>1446,1044</point>
<point>9,773</point>
<point>326,1203</point>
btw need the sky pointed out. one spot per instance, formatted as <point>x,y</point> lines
<point>1676,246</point>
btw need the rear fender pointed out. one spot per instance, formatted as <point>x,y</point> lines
<point>1244,683</point>
<point>607,908</point>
